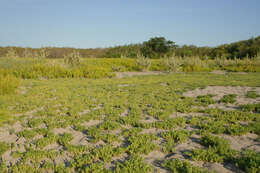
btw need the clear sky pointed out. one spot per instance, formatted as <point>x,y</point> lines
<point>103,23</point>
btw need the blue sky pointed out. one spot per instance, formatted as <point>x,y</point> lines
<point>104,23</point>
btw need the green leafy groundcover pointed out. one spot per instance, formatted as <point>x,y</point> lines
<point>134,124</point>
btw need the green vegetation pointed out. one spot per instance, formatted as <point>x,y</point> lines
<point>230,98</point>
<point>205,99</point>
<point>3,147</point>
<point>134,165</point>
<point>141,144</point>
<point>144,63</point>
<point>174,137</point>
<point>4,116</point>
<point>53,119</point>
<point>252,94</point>
<point>101,63</point>
<point>218,150</point>
<point>73,59</point>
<point>181,166</point>
<point>131,124</point>
<point>251,108</point>
<point>8,84</point>
<point>155,47</point>
<point>28,134</point>
<point>249,161</point>
<point>75,67</point>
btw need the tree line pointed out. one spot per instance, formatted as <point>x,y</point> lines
<point>157,47</point>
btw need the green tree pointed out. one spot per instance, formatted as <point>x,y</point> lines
<point>157,47</point>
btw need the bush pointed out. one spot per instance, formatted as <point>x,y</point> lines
<point>143,62</point>
<point>195,64</point>
<point>157,47</point>
<point>172,64</point>
<point>73,59</point>
<point>11,53</point>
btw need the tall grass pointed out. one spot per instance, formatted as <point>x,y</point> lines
<point>33,68</point>
<point>143,62</point>
<point>8,84</point>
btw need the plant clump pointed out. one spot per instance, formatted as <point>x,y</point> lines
<point>72,59</point>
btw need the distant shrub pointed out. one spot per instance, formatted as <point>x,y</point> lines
<point>44,53</point>
<point>221,62</point>
<point>72,59</point>
<point>143,62</point>
<point>157,47</point>
<point>11,53</point>
<point>27,53</point>
<point>172,64</point>
<point>8,84</point>
<point>194,64</point>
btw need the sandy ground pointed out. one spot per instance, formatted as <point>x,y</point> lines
<point>220,91</point>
